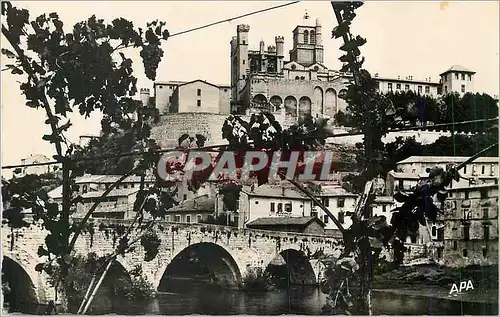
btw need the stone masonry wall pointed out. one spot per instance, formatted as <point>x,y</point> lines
<point>248,248</point>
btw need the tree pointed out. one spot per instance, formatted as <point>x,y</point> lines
<point>368,235</point>
<point>84,70</point>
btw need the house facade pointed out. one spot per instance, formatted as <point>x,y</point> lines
<point>469,227</point>
<point>193,210</point>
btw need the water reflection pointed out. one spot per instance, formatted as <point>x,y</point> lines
<point>303,300</point>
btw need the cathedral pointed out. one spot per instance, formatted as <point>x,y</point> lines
<point>264,80</point>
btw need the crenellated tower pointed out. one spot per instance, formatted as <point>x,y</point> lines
<point>239,60</point>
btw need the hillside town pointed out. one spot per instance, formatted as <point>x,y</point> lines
<point>289,86</point>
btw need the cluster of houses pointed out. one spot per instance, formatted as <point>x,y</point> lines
<point>467,231</point>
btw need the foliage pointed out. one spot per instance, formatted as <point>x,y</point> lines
<point>257,280</point>
<point>120,284</point>
<point>403,148</point>
<point>230,195</point>
<point>84,70</point>
<point>411,109</point>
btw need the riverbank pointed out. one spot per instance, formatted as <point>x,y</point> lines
<point>432,280</point>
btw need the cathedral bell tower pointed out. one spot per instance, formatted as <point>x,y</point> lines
<point>307,43</point>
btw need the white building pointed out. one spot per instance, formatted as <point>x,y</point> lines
<point>423,87</point>
<point>457,79</point>
<point>37,170</point>
<point>271,201</point>
<point>340,203</point>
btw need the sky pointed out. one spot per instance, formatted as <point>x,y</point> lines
<point>421,39</point>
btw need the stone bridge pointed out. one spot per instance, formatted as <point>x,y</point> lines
<point>230,254</point>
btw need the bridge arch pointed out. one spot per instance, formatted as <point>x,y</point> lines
<point>24,287</point>
<point>204,261</point>
<point>291,266</point>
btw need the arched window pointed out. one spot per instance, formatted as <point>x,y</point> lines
<point>306,37</point>
<point>312,37</point>
<point>297,77</point>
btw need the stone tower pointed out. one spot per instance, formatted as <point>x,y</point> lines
<point>280,54</point>
<point>239,60</point>
<point>307,43</point>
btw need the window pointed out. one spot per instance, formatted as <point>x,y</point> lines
<point>198,92</point>
<point>466,195</point>
<point>132,185</point>
<point>434,231</point>
<point>326,202</point>
<point>486,233</point>
<point>456,76</point>
<point>483,169</point>
<point>465,253</point>
<point>463,88</point>
<point>198,103</point>
<point>455,245</point>
<point>306,37</point>
<point>199,218</point>
<point>272,207</point>
<point>413,239</point>
<point>384,208</point>
<point>167,218</point>
<point>243,64</point>
<point>427,89</point>
<point>470,77</point>
<point>466,232</point>
<point>243,76</point>
<point>85,189</point>
<point>316,68</point>
<point>257,202</point>
<point>288,207</point>
<point>340,202</point>
<point>106,186</point>
<point>465,169</point>
<point>294,67</point>
<point>302,77</point>
<point>341,217</point>
<point>389,86</point>
<point>177,218</point>
<point>312,39</point>
<point>485,251</point>
<point>188,218</point>
<point>184,197</point>
<point>407,87</point>
<point>244,42</point>
<point>445,89</point>
<point>463,76</point>
<point>325,219</point>
<point>125,185</point>
<point>440,253</point>
<point>484,193</point>
<point>398,86</point>
<point>419,89</point>
<point>280,208</point>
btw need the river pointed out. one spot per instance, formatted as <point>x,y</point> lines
<point>296,300</point>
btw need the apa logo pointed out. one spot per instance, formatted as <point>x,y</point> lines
<point>464,286</point>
